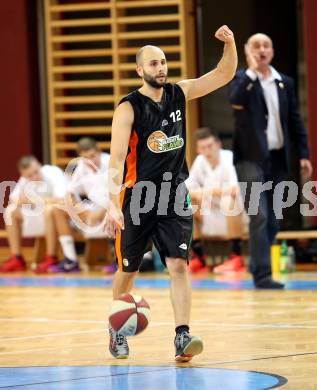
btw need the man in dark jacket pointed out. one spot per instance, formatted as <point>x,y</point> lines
<point>266,121</point>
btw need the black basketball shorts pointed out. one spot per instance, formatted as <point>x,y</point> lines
<point>170,233</point>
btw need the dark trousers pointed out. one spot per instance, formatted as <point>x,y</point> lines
<point>263,224</point>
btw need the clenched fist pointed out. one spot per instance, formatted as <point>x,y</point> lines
<point>224,34</point>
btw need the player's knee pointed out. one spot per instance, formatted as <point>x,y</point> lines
<point>126,275</point>
<point>176,266</point>
<point>56,210</point>
<point>59,213</point>
<point>49,210</point>
<point>11,212</point>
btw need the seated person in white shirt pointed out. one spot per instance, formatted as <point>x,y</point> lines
<point>38,190</point>
<point>89,181</point>
<point>212,176</point>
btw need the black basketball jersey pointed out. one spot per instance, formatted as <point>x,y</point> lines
<point>158,137</point>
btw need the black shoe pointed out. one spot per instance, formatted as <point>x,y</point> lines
<point>187,346</point>
<point>269,284</point>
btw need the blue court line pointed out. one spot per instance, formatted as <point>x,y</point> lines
<point>135,377</point>
<point>106,282</point>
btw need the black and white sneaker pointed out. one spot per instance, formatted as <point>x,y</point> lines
<point>187,346</point>
<point>118,345</point>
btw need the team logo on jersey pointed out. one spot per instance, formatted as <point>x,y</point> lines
<point>164,122</point>
<point>158,142</point>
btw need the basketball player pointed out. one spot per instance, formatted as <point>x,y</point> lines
<point>88,181</point>
<point>38,185</point>
<point>148,144</point>
<point>212,176</point>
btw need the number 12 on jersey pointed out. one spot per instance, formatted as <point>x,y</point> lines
<point>176,116</point>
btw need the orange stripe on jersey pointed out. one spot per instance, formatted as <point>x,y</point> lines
<point>118,236</point>
<point>130,177</point>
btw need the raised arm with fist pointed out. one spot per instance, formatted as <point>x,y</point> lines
<point>224,34</point>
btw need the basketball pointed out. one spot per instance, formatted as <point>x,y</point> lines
<point>129,314</point>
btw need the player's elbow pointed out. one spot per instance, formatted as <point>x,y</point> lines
<point>226,73</point>
<point>226,76</point>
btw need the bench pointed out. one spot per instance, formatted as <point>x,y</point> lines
<point>219,246</point>
<point>297,235</point>
<point>97,250</point>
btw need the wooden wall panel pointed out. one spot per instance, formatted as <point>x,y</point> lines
<point>91,49</point>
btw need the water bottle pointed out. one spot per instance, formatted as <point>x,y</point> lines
<point>284,259</point>
<point>291,259</point>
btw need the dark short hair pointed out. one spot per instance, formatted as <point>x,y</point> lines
<point>86,143</point>
<point>205,132</point>
<point>25,161</point>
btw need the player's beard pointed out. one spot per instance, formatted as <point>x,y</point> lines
<point>152,81</point>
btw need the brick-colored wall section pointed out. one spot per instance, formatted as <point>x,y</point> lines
<point>19,91</point>
<point>310,33</point>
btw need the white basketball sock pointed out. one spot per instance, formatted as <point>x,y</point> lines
<point>68,247</point>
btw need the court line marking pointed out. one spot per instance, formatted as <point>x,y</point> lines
<point>43,319</point>
<point>199,323</point>
<point>104,330</point>
<point>260,303</point>
<point>77,321</point>
<point>89,377</point>
<point>264,358</point>
<point>153,323</point>
<point>52,335</point>
<point>68,347</point>
<point>51,348</point>
<point>281,380</point>
<point>207,364</point>
<point>242,327</point>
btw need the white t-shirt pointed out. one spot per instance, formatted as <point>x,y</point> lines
<point>203,175</point>
<point>274,131</point>
<point>91,183</point>
<point>53,185</point>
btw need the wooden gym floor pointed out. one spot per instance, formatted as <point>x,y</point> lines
<point>52,335</point>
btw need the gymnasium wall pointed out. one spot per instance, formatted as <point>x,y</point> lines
<point>90,62</point>
<point>310,34</point>
<point>19,91</point>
